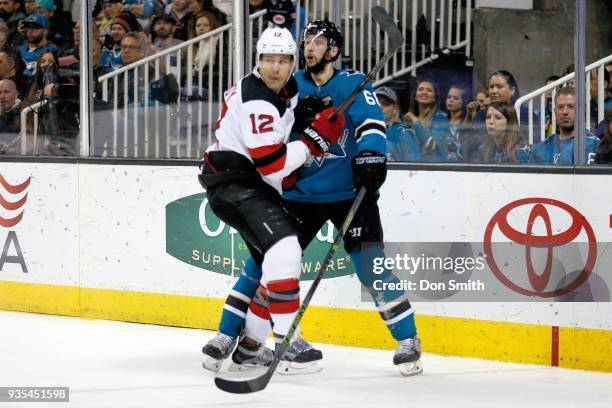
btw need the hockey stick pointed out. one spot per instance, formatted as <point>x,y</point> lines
<point>396,39</point>
<point>259,383</point>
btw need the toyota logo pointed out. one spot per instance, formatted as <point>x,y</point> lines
<point>549,241</point>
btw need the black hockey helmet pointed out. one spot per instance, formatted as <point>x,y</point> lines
<point>327,29</point>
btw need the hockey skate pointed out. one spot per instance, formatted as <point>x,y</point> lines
<point>250,356</point>
<point>217,350</point>
<point>300,358</point>
<point>407,356</point>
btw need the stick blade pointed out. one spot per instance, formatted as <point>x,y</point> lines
<point>243,386</point>
<point>385,21</point>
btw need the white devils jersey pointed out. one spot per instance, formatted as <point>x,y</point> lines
<point>256,123</point>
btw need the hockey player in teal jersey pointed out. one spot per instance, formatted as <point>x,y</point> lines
<point>324,190</point>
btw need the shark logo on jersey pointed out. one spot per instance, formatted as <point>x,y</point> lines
<point>336,151</point>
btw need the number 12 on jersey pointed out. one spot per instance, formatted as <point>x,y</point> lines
<point>261,124</point>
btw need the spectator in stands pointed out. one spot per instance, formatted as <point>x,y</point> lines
<point>28,6</point>
<point>180,10</point>
<point>110,10</point>
<point>111,52</point>
<point>402,143</point>
<point>10,108</point>
<point>456,108</point>
<point>559,148</point>
<point>481,102</point>
<point>205,50</point>
<point>44,79</point>
<point>11,67</point>
<point>164,26</point>
<point>428,122</point>
<point>594,95</point>
<point>10,13</point>
<point>198,6</point>
<point>60,22</point>
<point>603,154</point>
<point>503,141</point>
<point>37,28</point>
<point>68,56</point>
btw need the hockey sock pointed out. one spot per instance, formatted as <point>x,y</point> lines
<point>393,306</point>
<point>258,316</point>
<point>237,303</point>
<point>284,298</point>
<point>281,272</point>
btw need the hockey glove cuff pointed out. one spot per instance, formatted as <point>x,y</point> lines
<point>369,170</point>
<point>322,132</point>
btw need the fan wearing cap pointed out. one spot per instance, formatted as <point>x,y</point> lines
<point>164,26</point>
<point>37,29</point>
<point>110,10</point>
<point>60,22</point>
<point>402,143</point>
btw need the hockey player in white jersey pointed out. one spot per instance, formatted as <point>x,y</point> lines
<point>244,170</point>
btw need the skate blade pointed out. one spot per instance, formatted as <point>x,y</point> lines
<point>292,368</point>
<point>409,369</point>
<point>212,364</point>
<point>247,368</point>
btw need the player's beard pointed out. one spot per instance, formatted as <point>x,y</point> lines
<point>318,67</point>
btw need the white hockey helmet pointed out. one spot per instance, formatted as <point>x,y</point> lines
<point>276,40</point>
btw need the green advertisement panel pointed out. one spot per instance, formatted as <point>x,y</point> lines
<point>194,235</point>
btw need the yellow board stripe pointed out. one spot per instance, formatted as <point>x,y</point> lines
<point>587,349</point>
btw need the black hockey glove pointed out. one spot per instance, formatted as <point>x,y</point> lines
<point>305,112</point>
<point>369,170</point>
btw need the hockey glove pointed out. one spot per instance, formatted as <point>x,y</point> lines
<point>369,170</point>
<point>305,112</point>
<point>322,133</point>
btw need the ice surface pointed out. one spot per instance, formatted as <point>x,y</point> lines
<point>116,364</point>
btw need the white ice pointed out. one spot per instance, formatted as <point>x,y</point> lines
<point>116,364</point>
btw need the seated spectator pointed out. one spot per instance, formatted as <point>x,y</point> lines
<point>428,122</point>
<point>28,6</point>
<point>402,143</point>
<point>44,78</point>
<point>456,103</point>
<point>10,14</point>
<point>37,28</point>
<point>164,26</point>
<point>503,142</point>
<point>502,88</point>
<point>559,148</point>
<point>110,10</point>
<point>10,107</point>
<point>603,154</point>
<point>180,10</point>
<point>594,95</point>
<point>204,51</point>
<point>60,22</point>
<point>198,6</point>
<point>11,67</point>
<point>549,105</point>
<point>68,56</point>
<point>111,51</point>
<point>134,48</point>
<point>481,102</point>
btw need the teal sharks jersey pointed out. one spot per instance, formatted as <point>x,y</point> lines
<point>330,178</point>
